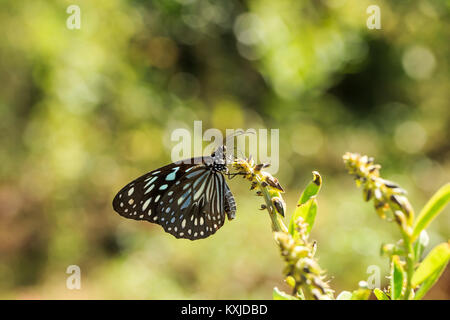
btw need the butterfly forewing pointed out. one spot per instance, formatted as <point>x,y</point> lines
<point>138,199</point>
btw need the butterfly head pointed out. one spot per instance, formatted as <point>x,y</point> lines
<point>218,159</point>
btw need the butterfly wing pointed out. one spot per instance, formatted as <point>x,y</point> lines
<point>194,208</point>
<point>138,200</point>
<point>187,200</point>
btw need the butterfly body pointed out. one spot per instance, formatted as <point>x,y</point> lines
<point>189,199</point>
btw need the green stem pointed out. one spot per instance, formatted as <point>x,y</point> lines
<point>277,222</point>
<point>409,256</point>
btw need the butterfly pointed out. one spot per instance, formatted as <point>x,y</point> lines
<point>189,198</point>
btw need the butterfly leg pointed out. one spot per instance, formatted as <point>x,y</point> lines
<point>232,175</point>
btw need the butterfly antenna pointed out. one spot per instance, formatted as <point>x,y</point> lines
<point>240,153</point>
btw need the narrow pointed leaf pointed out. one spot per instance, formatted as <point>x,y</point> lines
<point>428,283</point>
<point>435,261</point>
<point>397,278</point>
<point>312,189</point>
<point>308,212</point>
<point>307,205</point>
<point>433,207</point>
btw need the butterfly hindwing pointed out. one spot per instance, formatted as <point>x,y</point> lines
<point>194,207</point>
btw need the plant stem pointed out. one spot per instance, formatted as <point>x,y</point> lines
<point>302,270</point>
<point>277,222</point>
<point>409,257</point>
<point>386,194</point>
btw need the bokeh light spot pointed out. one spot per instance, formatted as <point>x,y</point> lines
<point>410,137</point>
<point>418,62</point>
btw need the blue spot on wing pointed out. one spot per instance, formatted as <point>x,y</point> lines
<point>171,176</point>
<point>187,202</point>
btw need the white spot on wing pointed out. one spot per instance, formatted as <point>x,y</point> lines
<point>152,179</point>
<point>146,204</point>
<point>150,189</point>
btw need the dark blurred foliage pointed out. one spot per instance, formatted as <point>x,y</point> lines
<point>85,111</point>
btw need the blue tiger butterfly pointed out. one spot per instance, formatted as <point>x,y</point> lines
<point>189,199</point>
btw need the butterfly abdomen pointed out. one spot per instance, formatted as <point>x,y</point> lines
<point>230,205</point>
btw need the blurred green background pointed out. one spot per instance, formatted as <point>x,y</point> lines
<point>85,111</point>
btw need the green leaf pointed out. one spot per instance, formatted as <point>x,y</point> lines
<point>307,205</point>
<point>433,207</point>
<point>280,295</point>
<point>428,283</point>
<point>361,294</point>
<point>344,295</point>
<point>420,245</point>
<point>397,278</point>
<point>435,261</point>
<point>308,212</point>
<point>312,189</point>
<point>380,294</point>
